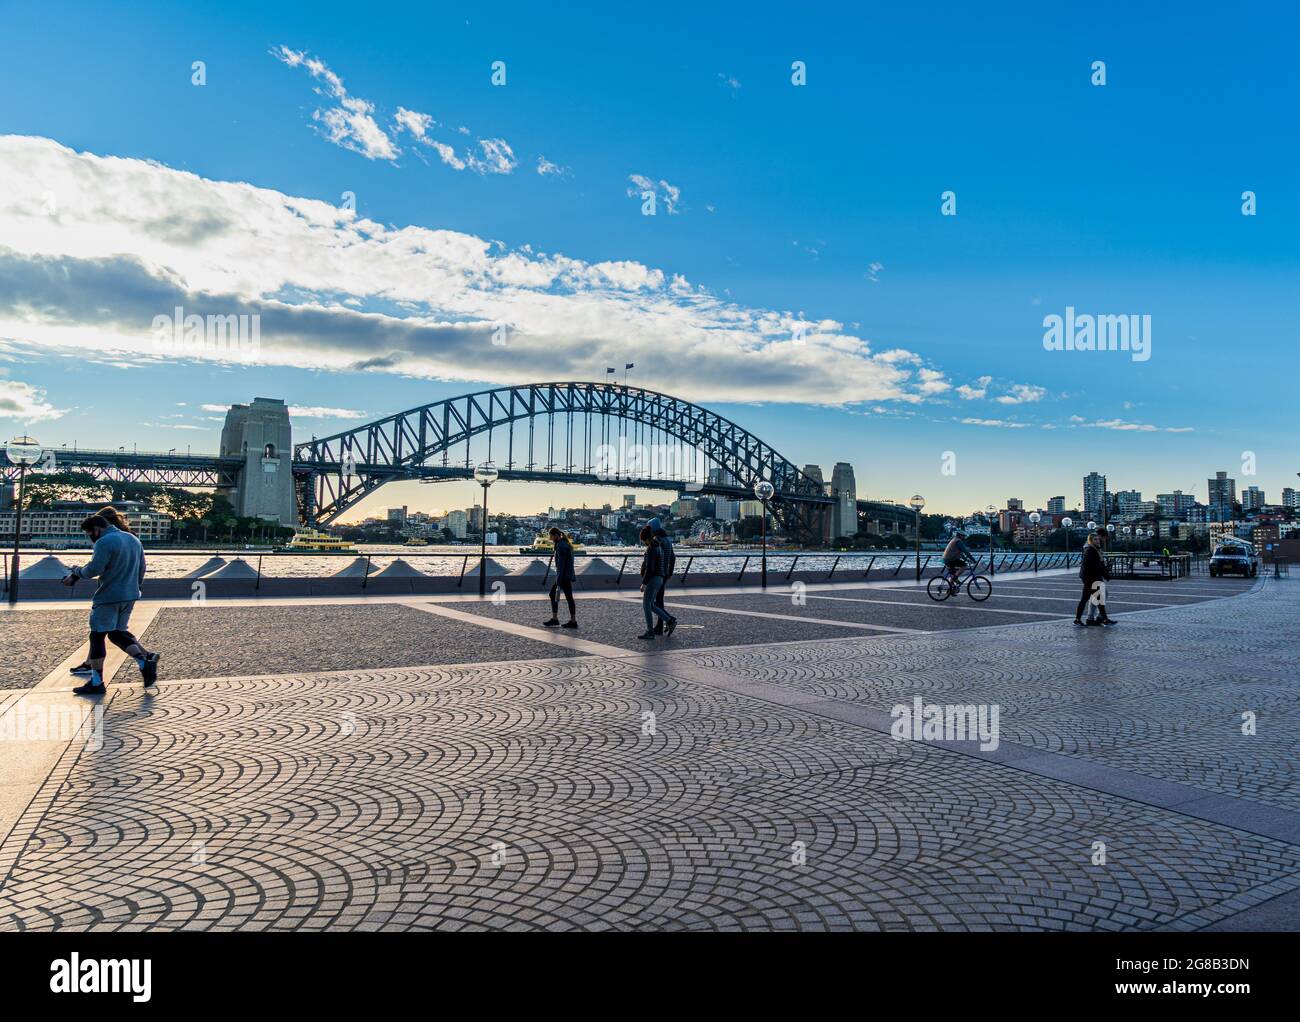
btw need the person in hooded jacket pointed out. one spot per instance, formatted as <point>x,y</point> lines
<point>665,541</point>
<point>654,573</point>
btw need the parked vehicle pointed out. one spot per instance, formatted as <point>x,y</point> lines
<point>1234,559</point>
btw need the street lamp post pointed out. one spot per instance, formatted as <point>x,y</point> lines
<point>989,511</point>
<point>1034,519</point>
<point>485,475</point>
<point>22,451</point>
<point>763,490</point>
<point>916,504</point>
<point>1066,523</point>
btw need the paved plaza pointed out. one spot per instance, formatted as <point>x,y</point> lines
<point>412,763</point>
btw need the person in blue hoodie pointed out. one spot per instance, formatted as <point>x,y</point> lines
<point>665,542</point>
<point>118,562</point>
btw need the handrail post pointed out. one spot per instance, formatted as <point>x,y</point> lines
<point>460,582</point>
<point>796,561</point>
<point>742,568</point>
<point>867,574</point>
<point>549,561</point>
<point>258,584</point>
<point>622,568</point>
<point>688,568</point>
<point>366,575</point>
<point>834,564</point>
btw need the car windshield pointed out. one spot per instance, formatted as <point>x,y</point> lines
<point>1230,551</point>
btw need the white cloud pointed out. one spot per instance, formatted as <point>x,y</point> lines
<point>546,168</point>
<point>729,82</point>
<point>134,239</point>
<point>976,390</point>
<point>669,195</point>
<point>350,123</point>
<point>999,423</point>
<point>1022,393</point>
<point>315,412</point>
<point>26,403</point>
<point>494,156</point>
<point>1129,427</point>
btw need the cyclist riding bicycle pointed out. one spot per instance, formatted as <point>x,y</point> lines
<point>956,555</point>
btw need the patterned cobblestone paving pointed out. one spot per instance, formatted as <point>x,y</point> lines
<point>33,643</point>
<point>214,641</point>
<point>534,796</point>
<point>1162,695</point>
<point>564,791</point>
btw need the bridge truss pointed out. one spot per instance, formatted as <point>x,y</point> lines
<point>575,432</point>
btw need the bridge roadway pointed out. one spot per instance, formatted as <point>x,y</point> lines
<point>412,763</point>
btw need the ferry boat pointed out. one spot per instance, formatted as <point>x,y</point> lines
<point>543,546</point>
<point>314,541</point>
<point>415,541</point>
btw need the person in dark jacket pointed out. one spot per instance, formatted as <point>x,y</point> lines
<point>564,576</point>
<point>660,533</point>
<point>654,573</point>
<point>1094,573</point>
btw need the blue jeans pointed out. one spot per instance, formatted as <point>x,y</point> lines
<point>653,587</point>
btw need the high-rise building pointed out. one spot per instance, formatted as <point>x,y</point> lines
<point>751,509</point>
<point>1128,501</point>
<point>629,500</point>
<point>1056,505</point>
<point>1094,494</point>
<point>1015,504</point>
<point>457,523</point>
<point>844,516</point>
<point>474,516</point>
<point>397,515</point>
<point>1289,497</point>
<point>1252,498</point>
<point>1174,505</point>
<point>1223,494</point>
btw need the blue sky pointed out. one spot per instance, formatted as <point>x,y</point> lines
<point>813,203</point>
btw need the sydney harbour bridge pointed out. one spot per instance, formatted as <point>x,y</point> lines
<point>574,432</point>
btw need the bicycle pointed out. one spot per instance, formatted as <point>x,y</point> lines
<point>943,585</point>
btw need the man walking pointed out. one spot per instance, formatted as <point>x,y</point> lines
<point>653,577</point>
<point>564,577</point>
<point>118,563</point>
<point>666,545</point>
<point>1094,573</point>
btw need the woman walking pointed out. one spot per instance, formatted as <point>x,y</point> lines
<point>564,576</point>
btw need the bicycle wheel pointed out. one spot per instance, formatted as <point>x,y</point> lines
<point>938,588</point>
<point>979,588</point>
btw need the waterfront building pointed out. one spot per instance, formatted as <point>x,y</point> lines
<point>60,524</point>
<point>1252,499</point>
<point>457,523</point>
<point>1056,505</point>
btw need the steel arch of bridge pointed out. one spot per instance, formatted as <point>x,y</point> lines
<point>334,472</point>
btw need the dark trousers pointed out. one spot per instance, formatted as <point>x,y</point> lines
<point>122,639</point>
<point>659,602</point>
<point>1083,601</point>
<point>565,587</point>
